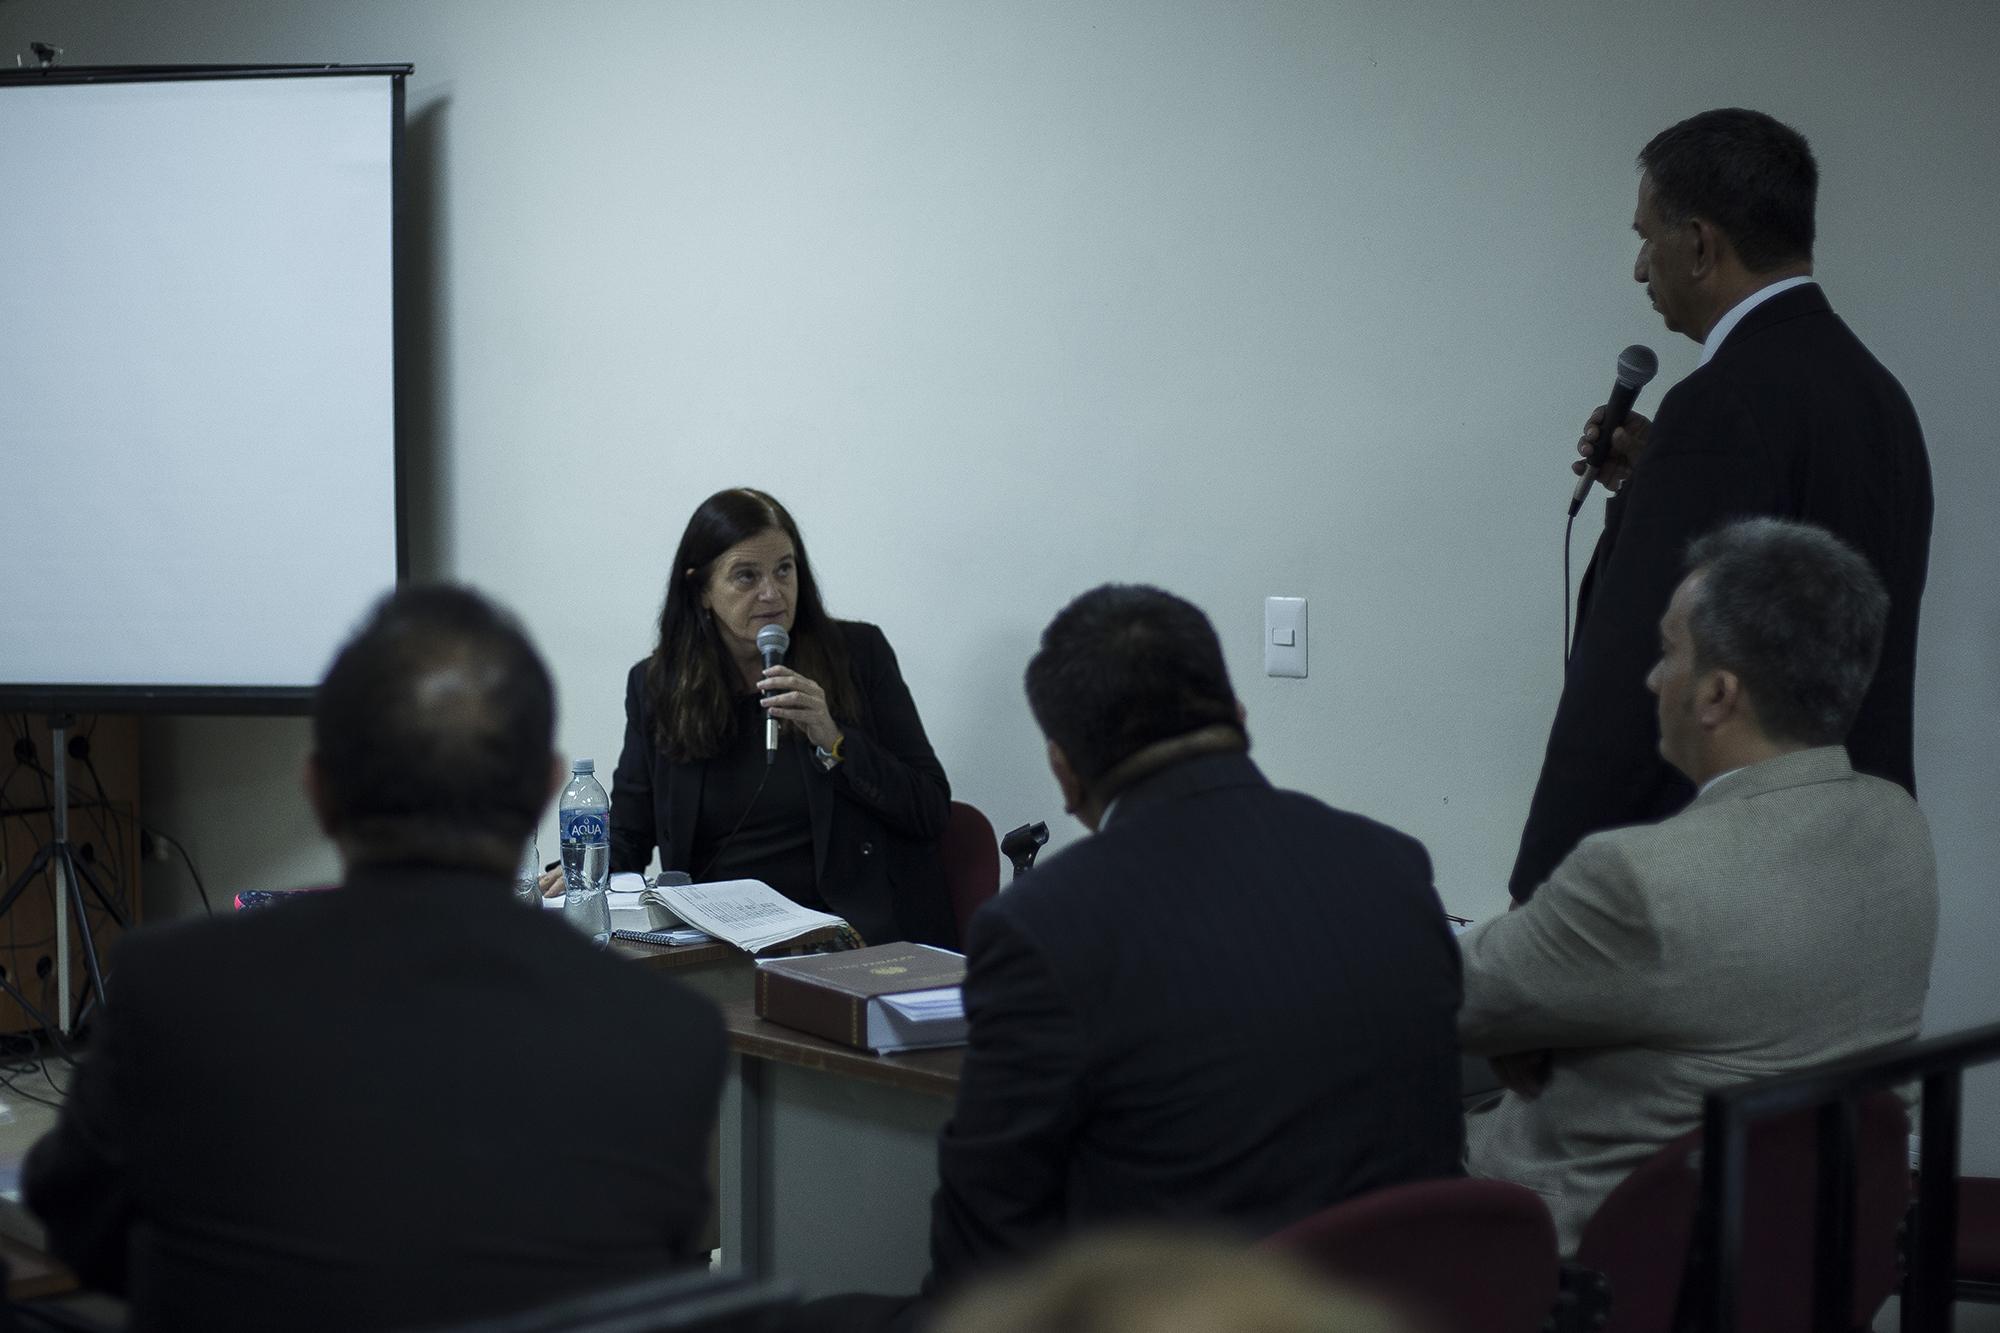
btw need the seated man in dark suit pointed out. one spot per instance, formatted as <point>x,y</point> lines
<point>407,1100</point>
<point>1232,1005</point>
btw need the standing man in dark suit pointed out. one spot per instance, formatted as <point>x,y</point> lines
<point>1233,1005</point>
<point>407,1100</point>
<point>1788,415</point>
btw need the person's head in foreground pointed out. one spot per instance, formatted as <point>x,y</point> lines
<point>1767,647</point>
<point>1162,1282</point>
<point>1129,680</point>
<point>433,735</point>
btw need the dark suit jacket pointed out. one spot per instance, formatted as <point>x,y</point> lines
<point>876,817</point>
<point>404,1101</point>
<point>1232,1005</point>
<point>1792,418</point>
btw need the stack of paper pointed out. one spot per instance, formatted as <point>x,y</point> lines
<point>917,1019</point>
<point>929,1006</point>
<point>748,913</point>
<point>658,912</point>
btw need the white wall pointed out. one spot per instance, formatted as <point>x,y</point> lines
<point>1008,300</point>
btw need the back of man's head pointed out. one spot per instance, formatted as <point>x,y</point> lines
<point>432,733</point>
<point>1751,176</point>
<point>1797,615</point>
<point>1139,1280</point>
<point>1123,667</point>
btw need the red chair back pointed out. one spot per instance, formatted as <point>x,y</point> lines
<point>1638,1238</point>
<point>971,862</point>
<point>1462,1256</point>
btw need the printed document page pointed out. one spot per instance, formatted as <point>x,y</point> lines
<point>929,1006</point>
<point>748,913</point>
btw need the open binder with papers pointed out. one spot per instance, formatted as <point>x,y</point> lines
<point>747,913</point>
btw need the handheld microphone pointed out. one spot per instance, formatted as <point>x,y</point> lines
<point>1636,367</point>
<point>773,642</point>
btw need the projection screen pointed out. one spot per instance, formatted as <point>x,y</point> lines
<point>197,382</point>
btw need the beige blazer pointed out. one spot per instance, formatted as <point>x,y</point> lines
<point>1785,918</point>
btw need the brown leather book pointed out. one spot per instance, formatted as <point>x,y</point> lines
<point>885,998</point>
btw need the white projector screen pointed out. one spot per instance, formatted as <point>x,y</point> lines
<point>197,358</point>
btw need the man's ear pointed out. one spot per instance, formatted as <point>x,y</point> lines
<point>1719,698</point>
<point>314,782</point>
<point>558,775</point>
<point>1707,246</point>
<point>1065,776</point>
<point>1076,797</point>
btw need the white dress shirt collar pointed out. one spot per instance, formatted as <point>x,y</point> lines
<point>1740,309</point>
<point>1717,778</point>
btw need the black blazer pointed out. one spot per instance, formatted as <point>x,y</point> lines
<point>876,817</point>
<point>1792,418</point>
<point>404,1101</point>
<point>1233,1005</point>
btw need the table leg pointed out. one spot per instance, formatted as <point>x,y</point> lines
<point>747,1194</point>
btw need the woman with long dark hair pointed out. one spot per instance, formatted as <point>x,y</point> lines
<point>848,814</point>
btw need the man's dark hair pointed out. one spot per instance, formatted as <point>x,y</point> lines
<point>1750,175</point>
<point>433,731</point>
<point>1122,667</point>
<point>1797,614</point>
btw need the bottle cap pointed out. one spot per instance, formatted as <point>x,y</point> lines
<point>584,766</point>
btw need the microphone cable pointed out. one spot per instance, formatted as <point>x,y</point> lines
<point>1569,525</point>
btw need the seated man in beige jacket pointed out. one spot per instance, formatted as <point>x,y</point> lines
<point>1785,918</point>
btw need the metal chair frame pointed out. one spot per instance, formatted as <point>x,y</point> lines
<point>1709,1290</point>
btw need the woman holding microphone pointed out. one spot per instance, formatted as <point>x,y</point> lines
<point>846,814</point>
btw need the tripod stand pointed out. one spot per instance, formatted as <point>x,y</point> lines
<point>74,874</point>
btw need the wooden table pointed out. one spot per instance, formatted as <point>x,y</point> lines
<point>829,1157</point>
<point>722,972</point>
<point>933,1072</point>
<point>672,956</point>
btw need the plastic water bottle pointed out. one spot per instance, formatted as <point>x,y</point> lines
<point>584,816</point>
<point>528,875</point>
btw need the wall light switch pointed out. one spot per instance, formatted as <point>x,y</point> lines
<point>1284,636</point>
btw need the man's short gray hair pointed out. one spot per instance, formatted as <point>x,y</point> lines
<point>1797,614</point>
